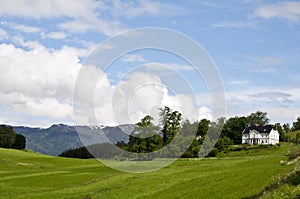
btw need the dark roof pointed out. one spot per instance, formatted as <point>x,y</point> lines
<point>259,128</point>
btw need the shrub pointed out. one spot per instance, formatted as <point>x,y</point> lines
<point>212,153</point>
<point>294,154</point>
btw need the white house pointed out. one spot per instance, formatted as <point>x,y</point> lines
<point>260,134</point>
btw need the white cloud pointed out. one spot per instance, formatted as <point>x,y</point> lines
<point>48,8</point>
<point>3,34</point>
<point>26,29</point>
<point>271,70</point>
<point>265,64</point>
<point>132,9</point>
<point>241,82</point>
<point>286,10</point>
<point>273,96</point>
<point>235,24</point>
<point>84,15</point>
<point>143,7</point>
<point>282,105</point>
<point>54,35</point>
<point>38,82</point>
<point>41,107</point>
<point>85,25</point>
<point>264,61</point>
<point>210,4</point>
<point>137,95</point>
<point>205,113</point>
<point>157,66</point>
<point>74,16</point>
<point>133,58</point>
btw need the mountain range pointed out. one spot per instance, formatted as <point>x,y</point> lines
<point>59,137</point>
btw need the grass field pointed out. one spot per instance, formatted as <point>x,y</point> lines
<point>30,175</point>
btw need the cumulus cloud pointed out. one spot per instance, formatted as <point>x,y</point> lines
<point>138,94</point>
<point>39,81</point>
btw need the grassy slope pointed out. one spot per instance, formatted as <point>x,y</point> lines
<point>30,175</point>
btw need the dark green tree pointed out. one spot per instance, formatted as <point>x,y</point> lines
<point>7,136</point>
<point>296,125</point>
<point>203,127</point>
<point>234,128</point>
<point>170,121</point>
<point>145,137</point>
<point>223,143</point>
<point>298,138</point>
<point>193,150</point>
<point>20,142</point>
<point>286,127</point>
<point>258,118</point>
<point>188,131</point>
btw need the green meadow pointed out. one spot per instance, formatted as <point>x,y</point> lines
<point>234,175</point>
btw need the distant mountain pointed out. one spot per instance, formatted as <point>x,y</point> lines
<point>60,137</point>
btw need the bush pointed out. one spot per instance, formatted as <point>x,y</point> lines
<point>212,153</point>
<point>294,154</point>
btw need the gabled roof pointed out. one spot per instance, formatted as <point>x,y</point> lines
<point>259,128</point>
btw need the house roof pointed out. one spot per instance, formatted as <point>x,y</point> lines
<point>259,128</point>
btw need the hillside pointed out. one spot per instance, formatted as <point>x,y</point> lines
<point>31,175</point>
<point>60,137</point>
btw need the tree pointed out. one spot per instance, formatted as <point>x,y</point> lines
<point>145,137</point>
<point>296,125</point>
<point>258,118</point>
<point>298,138</point>
<point>234,127</point>
<point>7,136</point>
<point>20,142</point>
<point>203,127</point>
<point>189,130</point>
<point>193,150</point>
<point>278,127</point>
<point>286,127</point>
<point>287,130</point>
<point>223,143</point>
<point>170,121</point>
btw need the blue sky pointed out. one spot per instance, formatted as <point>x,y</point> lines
<point>255,45</point>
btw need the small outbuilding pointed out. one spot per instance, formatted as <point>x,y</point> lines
<point>260,134</point>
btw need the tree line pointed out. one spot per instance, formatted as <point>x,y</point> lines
<point>10,139</point>
<point>148,137</point>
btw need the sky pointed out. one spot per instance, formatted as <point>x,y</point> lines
<point>255,45</point>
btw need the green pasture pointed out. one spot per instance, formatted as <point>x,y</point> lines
<point>233,175</point>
